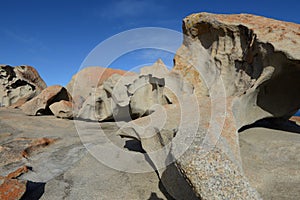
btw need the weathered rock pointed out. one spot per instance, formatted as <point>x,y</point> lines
<point>11,187</point>
<point>98,106</point>
<point>255,57</point>
<point>175,86</point>
<point>66,167</point>
<point>132,96</point>
<point>101,106</point>
<point>40,104</point>
<point>88,79</point>
<point>147,91</point>
<point>19,84</point>
<point>13,151</point>
<point>47,144</point>
<point>250,66</point>
<point>62,109</point>
<point>116,87</point>
<point>158,69</point>
<point>271,160</point>
<point>77,102</point>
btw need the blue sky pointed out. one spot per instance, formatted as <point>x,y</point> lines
<point>55,36</point>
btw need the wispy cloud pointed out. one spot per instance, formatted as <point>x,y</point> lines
<point>30,41</point>
<point>18,37</point>
<point>129,8</point>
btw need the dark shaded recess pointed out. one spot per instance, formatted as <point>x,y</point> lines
<point>134,145</point>
<point>280,94</point>
<point>10,72</point>
<point>108,94</point>
<point>207,34</point>
<point>168,100</point>
<point>252,62</point>
<point>174,185</point>
<point>20,83</point>
<point>154,196</point>
<point>156,81</point>
<point>274,123</point>
<point>34,191</point>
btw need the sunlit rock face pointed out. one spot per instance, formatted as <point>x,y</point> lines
<point>256,58</point>
<point>19,84</point>
<point>250,65</point>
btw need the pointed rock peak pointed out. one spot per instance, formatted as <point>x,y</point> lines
<point>159,62</point>
<point>158,69</point>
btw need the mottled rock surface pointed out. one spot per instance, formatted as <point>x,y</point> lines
<point>19,84</point>
<point>40,104</point>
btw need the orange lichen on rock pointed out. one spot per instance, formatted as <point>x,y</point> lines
<point>12,188</point>
<point>36,144</point>
<point>18,172</point>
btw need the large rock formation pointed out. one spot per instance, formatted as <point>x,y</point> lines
<point>88,79</point>
<point>256,58</point>
<point>132,96</point>
<point>249,67</point>
<point>19,84</point>
<point>231,71</point>
<point>41,103</point>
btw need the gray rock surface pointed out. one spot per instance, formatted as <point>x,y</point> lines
<point>271,161</point>
<point>66,168</point>
<point>19,84</point>
<point>46,162</point>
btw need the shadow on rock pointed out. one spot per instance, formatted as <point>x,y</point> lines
<point>134,145</point>
<point>154,196</point>
<point>174,186</point>
<point>34,191</point>
<point>274,123</point>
